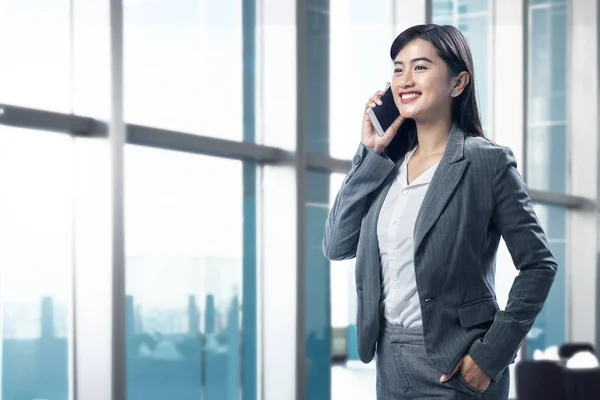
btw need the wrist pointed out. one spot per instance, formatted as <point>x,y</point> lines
<point>377,149</point>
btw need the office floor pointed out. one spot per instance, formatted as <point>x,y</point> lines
<point>353,381</point>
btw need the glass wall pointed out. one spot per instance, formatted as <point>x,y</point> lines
<point>474,19</point>
<point>318,290</point>
<point>361,35</point>
<point>191,228</point>
<point>550,327</point>
<point>184,275</point>
<point>343,287</point>
<point>547,148</point>
<point>547,144</point>
<point>34,43</point>
<point>36,250</point>
<point>183,66</point>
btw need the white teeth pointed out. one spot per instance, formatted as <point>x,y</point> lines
<point>410,96</point>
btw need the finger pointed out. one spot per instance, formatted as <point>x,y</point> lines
<point>376,99</point>
<point>445,378</point>
<point>395,125</point>
<point>387,85</point>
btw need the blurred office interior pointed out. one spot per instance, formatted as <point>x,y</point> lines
<point>167,166</point>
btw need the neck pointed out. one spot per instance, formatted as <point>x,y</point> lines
<point>433,136</point>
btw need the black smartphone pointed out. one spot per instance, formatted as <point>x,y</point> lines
<point>383,116</point>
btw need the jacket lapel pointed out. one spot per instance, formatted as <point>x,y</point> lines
<point>442,185</point>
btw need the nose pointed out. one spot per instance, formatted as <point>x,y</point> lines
<point>406,80</point>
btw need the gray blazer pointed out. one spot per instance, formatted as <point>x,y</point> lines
<point>475,195</point>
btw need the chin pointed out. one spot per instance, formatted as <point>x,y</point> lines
<point>409,113</point>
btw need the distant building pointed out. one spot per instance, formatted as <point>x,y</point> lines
<point>193,316</point>
<point>47,323</point>
<point>209,315</point>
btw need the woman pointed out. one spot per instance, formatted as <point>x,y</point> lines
<point>422,210</point>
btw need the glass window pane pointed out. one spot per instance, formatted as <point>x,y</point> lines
<point>354,75</point>
<point>450,8</point>
<point>34,43</point>
<point>473,6</point>
<point>547,102</point>
<point>473,19</point>
<point>91,58</point>
<point>550,326</point>
<point>37,261</point>
<point>343,286</point>
<point>318,289</point>
<point>183,66</point>
<point>184,255</point>
<point>443,9</point>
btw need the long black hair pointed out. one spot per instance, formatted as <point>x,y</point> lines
<point>451,47</point>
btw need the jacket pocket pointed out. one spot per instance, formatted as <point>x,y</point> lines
<point>478,312</point>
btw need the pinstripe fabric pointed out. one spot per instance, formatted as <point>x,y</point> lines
<point>475,196</point>
<point>404,371</point>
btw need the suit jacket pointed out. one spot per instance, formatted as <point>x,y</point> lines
<point>475,196</point>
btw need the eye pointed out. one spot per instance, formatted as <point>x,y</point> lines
<point>420,68</point>
<point>397,70</point>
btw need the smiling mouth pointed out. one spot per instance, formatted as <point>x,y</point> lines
<point>408,97</point>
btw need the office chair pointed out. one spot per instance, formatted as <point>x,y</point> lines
<point>540,380</point>
<point>567,350</point>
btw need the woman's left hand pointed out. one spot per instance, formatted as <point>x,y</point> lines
<point>472,374</point>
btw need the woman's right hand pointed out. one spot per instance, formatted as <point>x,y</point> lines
<point>369,136</point>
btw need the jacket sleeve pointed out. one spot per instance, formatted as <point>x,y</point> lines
<point>514,217</point>
<point>342,227</point>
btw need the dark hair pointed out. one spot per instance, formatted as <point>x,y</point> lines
<point>451,47</point>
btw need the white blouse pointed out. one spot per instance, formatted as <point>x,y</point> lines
<point>395,227</point>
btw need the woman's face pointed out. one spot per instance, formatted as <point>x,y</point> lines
<point>421,85</point>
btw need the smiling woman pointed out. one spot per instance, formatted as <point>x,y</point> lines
<point>421,197</point>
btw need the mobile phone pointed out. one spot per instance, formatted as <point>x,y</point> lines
<point>383,116</point>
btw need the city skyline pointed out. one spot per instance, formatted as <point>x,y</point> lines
<point>209,345</point>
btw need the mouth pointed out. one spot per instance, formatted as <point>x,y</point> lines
<point>408,97</point>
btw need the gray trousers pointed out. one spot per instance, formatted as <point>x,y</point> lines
<point>404,372</point>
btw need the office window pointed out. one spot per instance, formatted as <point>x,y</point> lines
<point>183,66</point>
<point>34,43</point>
<point>361,34</point>
<point>474,19</point>
<point>184,256</point>
<point>547,96</point>
<point>91,58</point>
<point>318,289</point>
<point>549,328</point>
<point>37,263</point>
<point>343,287</point>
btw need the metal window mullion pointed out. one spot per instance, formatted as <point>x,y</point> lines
<point>179,141</point>
<point>597,69</point>
<point>71,344</point>
<point>428,11</point>
<point>1,265</point>
<point>116,138</point>
<point>29,118</point>
<point>526,89</point>
<point>300,165</point>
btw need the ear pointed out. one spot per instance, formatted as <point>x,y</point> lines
<point>459,84</point>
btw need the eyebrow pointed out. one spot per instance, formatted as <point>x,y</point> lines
<point>415,60</point>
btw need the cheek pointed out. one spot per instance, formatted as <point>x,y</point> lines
<point>437,91</point>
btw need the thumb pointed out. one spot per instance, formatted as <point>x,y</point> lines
<point>395,125</point>
<point>445,378</point>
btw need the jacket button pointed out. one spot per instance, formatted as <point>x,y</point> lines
<point>356,160</point>
<point>428,299</point>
